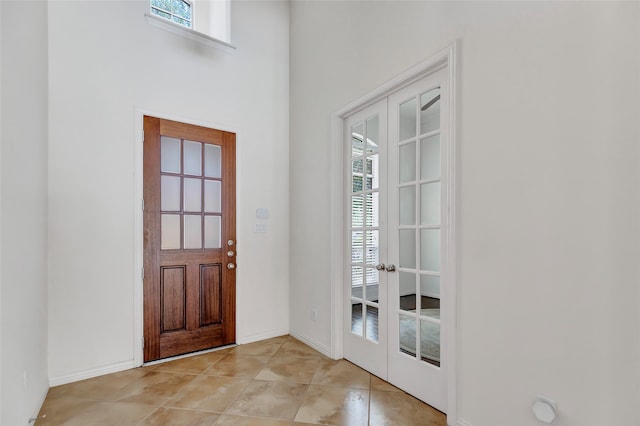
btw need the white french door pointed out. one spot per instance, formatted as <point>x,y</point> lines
<point>397,237</point>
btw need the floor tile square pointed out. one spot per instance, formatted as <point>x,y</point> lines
<point>154,388</point>
<point>285,369</point>
<point>209,393</point>
<point>233,365</point>
<point>401,409</point>
<point>330,405</point>
<point>170,416</point>
<point>277,400</point>
<point>341,373</point>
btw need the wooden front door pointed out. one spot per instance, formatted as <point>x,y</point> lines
<point>189,238</point>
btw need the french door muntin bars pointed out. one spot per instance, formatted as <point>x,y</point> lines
<point>420,204</point>
<point>364,227</point>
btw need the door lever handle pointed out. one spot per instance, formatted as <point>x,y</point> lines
<point>380,266</point>
<point>391,268</point>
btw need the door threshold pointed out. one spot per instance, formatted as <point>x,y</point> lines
<point>190,354</point>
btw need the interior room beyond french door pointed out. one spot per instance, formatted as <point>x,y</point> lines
<point>395,239</point>
<point>189,238</point>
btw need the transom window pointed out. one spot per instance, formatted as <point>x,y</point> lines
<point>178,11</point>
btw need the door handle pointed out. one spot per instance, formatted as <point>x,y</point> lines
<point>391,268</point>
<point>380,266</point>
<point>231,266</point>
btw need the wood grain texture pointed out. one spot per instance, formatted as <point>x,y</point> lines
<point>197,310</point>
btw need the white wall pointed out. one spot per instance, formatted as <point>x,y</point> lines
<point>105,61</point>
<point>23,200</point>
<point>548,189</point>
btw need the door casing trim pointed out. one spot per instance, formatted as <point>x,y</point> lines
<point>138,243</point>
<point>447,57</point>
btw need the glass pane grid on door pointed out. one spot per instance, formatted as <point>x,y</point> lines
<point>364,228</point>
<point>419,203</point>
<point>190,194</point>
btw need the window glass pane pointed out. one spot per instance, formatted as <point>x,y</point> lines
<point>169,231</point>
<point>192,231</point>
<point>430,111</point>
<point>169,155</point>
<point>160,13</point>
<point>408,119</point>
<point>212,196</point>
<point>162,4</point>
<point>192,158</point>
<point>170,193</point>
<point>407,163</point>
<point>430,203</point>
<point>182,9</point>
<point>430,250</point>
<point>372,134</point>
<point>212,161</point>
<point>407,205</point>
<point>192,195</point>
<point>430,157</point>
<point>357,135</point>
<point>212,232</point>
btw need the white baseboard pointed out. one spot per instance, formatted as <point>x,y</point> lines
<point>243,340</point>
<point>310,342</point>
<point>463,423</point>
<point>88,374</point>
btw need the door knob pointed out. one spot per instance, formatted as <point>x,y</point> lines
<point>380,266</point>
<point>390,268</point>
<point>231,266</point>
<point>230,243</point>
<point>230,253</point>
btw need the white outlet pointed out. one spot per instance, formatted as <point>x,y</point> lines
<point>314,314</point>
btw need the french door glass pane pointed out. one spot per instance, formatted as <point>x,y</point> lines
<point>408,119</point>
<point>372,134</point>
<point>430,157</point>
<point>356,318</point>
<point>430,115</point>
<point>430,341</point>
<point>372,209</point>
<point>407,248</point>
<point>407,283</point>
<point>373,279</point>
<point>372,247</point>
<point>169,193</point>
<point>192,158</point>
<point>357,211</point>
<point>373,172</point>
<point>430,286</point>
<point>357,173</point>
<point>357,247</point>
<point>407,339</point>
<point>357,142</point>
<point>430,250</point>
<point>407,205</point>
<point>169,155</point>
<point>430,203</point>
<point>372,323</point>
<point>357,280</point>
<point>407,166</point>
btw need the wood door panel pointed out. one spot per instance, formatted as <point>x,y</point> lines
<point>173,297</point>
<point>189,294</point>
<point>210,294</point>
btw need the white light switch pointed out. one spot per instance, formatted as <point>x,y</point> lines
<point>260,228</point>
<point>262,213</point>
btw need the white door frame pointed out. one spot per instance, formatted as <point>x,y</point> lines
<point>448,58</point>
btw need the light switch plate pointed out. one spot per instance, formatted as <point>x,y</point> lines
<point>262,213</point>
<point>260,228</point>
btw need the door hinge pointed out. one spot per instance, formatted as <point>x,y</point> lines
<point>143,136</point>
<point>142,342</point>
<point>142,273</point>
<point>143,204</point>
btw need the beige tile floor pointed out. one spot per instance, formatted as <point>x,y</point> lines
<point>275,382</point>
